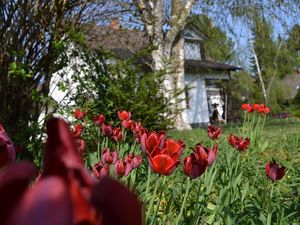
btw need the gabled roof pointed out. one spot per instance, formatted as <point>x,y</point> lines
<point>126,43</point>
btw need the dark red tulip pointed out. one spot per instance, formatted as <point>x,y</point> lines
<point>122,168</point>
<point>7,149</point>
<point>247,107</point>
<point>109,157</point>
<point>195,164</point>
<point>213,132</point>
<point>274,171</point>
<point>211,152</point>
<point>78,114</point>
<point>100,170</point>
<point>99,119</point>
<point>106,129</point>
<point>78,129</point>
<point>80,144</point>
<point>66,193</point>
<point>124,115</point>
<point>241,144</point>
<point>117,135</point>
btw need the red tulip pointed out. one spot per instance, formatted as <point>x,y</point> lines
<point>78,114</point>
<point>106,129</point>
<point>149,141</point>
<point>127,124</point>
<point>117,135</point>
<point>80,145</point>
<point>213,132</point>
<point>100,170</point>
<point>138,130</point>
<point>7,149</point>
<point>78,129</point>
<point>255,106</point>
<point>124,115</point>
<point>109,157</point>
<point>195,164</point>
<point>99,119</point>
<point>241,144</point>
<point>274,171</point>
<point>165,160</point>
<point>247,107</point>
<point>135,161</point>
<point>122,168</point>
<point>66,193</point>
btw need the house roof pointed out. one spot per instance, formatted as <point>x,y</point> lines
<point>209,65</point>
<point>126,43</point>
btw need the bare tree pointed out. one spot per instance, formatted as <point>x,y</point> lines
<point>32,36</point>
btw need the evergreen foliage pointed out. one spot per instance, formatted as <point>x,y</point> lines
<point>106,85</point>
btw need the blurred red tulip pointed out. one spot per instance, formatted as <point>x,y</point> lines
<point>117,135</point>
<point>135,161</point>
<point>124,115</point>
<point>99,119</point>
<point>241,144</point>
<point>77,131</point>
<point>100,170</point>
<point>122,168</point>
<point>213,132</point>
<point>274,171</point>
<point>78,114</point>
<point>80,144</point>
<point>128,124</point>
<point>109,157</point>
<point>106,129</point>
<point>247,107</point>
<point>7,149</point>
<point>195,164</point>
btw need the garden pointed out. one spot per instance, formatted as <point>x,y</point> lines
<point>235,174</point>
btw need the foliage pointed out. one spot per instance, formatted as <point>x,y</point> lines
<point>275,61</point>
<point>105,84</point>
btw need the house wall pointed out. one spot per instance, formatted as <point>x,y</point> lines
<point>197,114</point>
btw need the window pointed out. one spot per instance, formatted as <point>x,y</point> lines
<point>192,50</point>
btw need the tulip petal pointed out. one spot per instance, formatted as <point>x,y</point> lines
<point>61,155</point>
<point>47,203</point>
<point>14,181</point>
<point>116,203</point>
<point>163,164</point>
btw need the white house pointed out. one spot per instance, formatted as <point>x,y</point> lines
<point>205,100</point>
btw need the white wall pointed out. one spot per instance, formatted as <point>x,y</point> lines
<point>198,111</point>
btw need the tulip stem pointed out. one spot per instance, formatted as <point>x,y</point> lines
<point>184,200</point>
<point>153,195</point>
<point>159,200</point>
<point>98,144</point>
<point>269,217</point>
<point>148,181</point>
